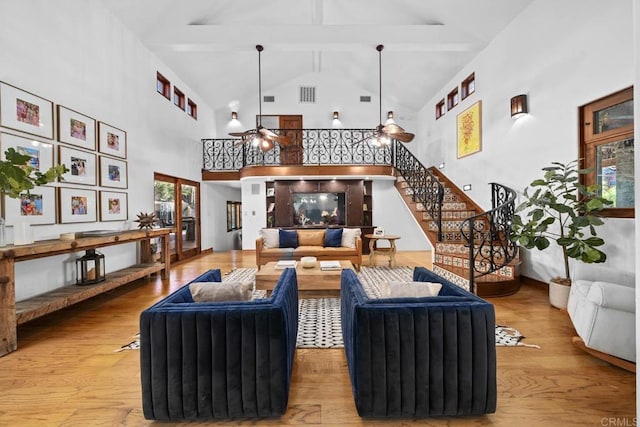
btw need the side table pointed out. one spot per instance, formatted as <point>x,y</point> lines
<point>375,250</point>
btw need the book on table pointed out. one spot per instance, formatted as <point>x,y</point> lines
<point>286,263</point>
<point>330,265</point>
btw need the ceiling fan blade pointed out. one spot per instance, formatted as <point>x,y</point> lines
<point>395,131</point>
<point>403,137</point>
<point>272,136</point>
<point>242,134</point>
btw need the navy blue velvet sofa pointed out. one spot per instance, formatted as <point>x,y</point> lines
<point>419,357</point>
<point>218,360</point>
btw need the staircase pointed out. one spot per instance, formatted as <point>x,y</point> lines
<point>461,233</point>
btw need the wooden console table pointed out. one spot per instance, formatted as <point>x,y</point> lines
<point>13,314</point>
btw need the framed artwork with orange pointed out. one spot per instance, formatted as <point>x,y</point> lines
<point>469,124</point>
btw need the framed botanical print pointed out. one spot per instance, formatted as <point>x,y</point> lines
<point>76,129</point>
<point>470,130</point>
<point>112,141</point>
<point>113,206</point>
<point>25,111</point>
<point>76,205</point>
<point>40,153</point>
<point>36,208</point>
<point>81,165</point>
<point>113,172</point>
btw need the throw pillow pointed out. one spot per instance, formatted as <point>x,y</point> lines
<point>288,238</point>
<point>333,238</point>
<point>349,237</point>
<point>270,238</point>
<point>410,289</point>
<point>310,237</point>
<point>221,291</point>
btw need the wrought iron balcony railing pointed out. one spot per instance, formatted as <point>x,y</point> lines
<point>309,147</point>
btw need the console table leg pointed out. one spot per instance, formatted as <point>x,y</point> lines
<point>8,325</point>
<point>166,257</point>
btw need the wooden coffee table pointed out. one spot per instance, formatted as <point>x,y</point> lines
<point>309,279</point>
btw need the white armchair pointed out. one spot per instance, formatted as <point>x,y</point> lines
<point>602,309</point>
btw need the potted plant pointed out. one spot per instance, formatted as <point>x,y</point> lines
<point>18,177</point>
<point>564,210</point>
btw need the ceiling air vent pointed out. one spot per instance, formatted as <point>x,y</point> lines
<point>269,98</point>
<point>365,98</point>
<point>307,95</point>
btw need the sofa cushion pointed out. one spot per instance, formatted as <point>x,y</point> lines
<point>349,237</point>
<point>333,237</point>
<point>397,289</point>
<point>217,291</point>
<point>288,238</point>
<point>270,238</point>
<point>311,237</point>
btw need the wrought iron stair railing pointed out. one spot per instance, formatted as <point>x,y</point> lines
<point>425,187</point>
<point>487,235</point>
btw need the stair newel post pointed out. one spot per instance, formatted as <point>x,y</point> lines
<point>470,241</point>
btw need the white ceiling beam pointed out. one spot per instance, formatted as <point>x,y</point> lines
<point>226,38</point>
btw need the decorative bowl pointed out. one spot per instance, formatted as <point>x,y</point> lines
<point>308,261</point>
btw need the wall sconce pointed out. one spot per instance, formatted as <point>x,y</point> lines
<point>519,106</point>
<point>336,123</point>
<point>389,118</point>
<point>466,187</point>
<point>234,115</point>
<point>441,165</point>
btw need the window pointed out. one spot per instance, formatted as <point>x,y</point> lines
<point>468,85</point>
<point>163,86</point>
<point>607,147</point>
<point>452,99</point>
<point>192,109</point>
<point>440,109</point>
<point>234,216</point>
<point>178,98</point>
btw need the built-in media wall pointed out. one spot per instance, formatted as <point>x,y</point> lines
<point>319,203</point>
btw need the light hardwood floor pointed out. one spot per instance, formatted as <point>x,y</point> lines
<point>65,372</point>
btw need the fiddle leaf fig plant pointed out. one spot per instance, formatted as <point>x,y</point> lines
<point>558,207</point>
<point>16,174</point>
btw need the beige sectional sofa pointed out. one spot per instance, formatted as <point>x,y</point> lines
<point>311,242</point>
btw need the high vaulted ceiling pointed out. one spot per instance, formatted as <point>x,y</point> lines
<point>211,44</point>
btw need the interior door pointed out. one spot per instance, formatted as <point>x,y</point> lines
<point>291,127</point>
<point>177,206</point>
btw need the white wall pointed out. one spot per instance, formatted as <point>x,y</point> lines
<point>215,212</point>
<point>78,55</point>
<point>563,55</point>
<point>333,93</point>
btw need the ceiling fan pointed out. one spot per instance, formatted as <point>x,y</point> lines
<point>261,137</point>
<point>385,133</point>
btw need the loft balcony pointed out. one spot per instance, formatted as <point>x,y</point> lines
<point>312,152</point>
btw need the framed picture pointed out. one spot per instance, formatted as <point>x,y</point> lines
<point>36,208</point>
<point>76,129</point>
<point>40,153</point>
<point>469,124</point>
<point>76,205</point>
<point>113,206</point>
<point>112,141</point>
<point>25,111</point>
<point>81,165</point>
<point>378,232</point>
<point>113,172</point>
<point>271,192</point>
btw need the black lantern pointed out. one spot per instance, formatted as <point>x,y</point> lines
<point>90,268</point>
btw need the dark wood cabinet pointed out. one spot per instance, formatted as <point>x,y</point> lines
<point>357,200</point>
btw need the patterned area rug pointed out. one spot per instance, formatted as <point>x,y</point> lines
<point>319,318</point>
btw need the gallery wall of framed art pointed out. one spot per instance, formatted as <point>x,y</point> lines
<point>94,189</point>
